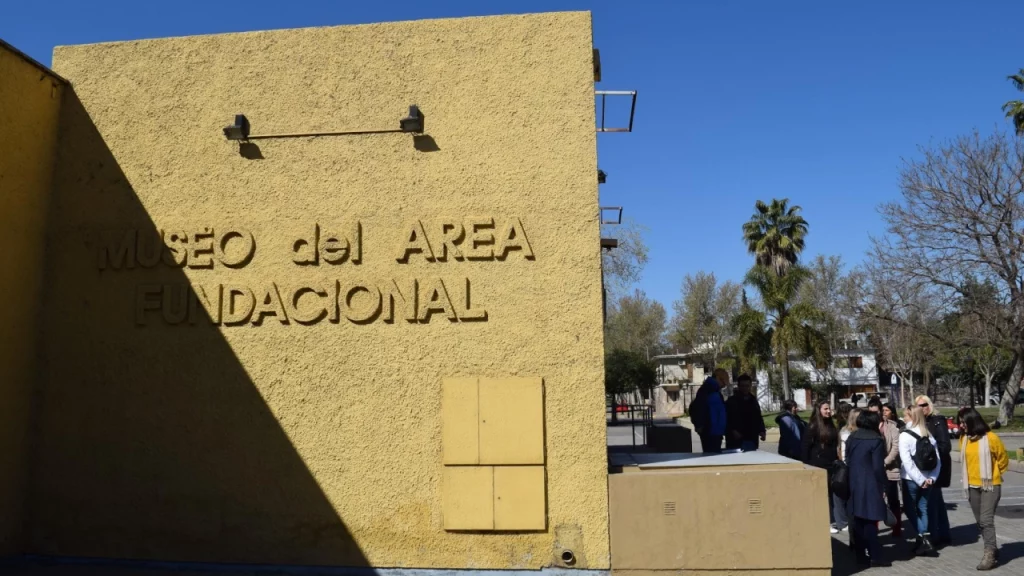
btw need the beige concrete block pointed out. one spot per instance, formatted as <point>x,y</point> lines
<point>460,432</point>
<point>468,499</point>
<point>511,421</point>
<point>519,498</point>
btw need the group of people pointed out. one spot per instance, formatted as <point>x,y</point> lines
<point>736,421</point>
<point>887,460</point>
<point>879,466</point>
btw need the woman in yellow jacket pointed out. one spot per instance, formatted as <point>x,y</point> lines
<point>983,460</point>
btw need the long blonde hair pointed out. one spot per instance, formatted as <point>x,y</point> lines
<point>917,420</point>
<point>851,420</point>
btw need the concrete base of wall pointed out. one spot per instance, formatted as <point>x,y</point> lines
<point>68,566</point>
<point>794,572</point>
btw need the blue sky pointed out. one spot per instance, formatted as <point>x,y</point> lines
<point>738,100</point>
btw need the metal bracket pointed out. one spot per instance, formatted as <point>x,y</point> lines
<point>616,210</point>
<point>411,124</point>
<point>632,108</point>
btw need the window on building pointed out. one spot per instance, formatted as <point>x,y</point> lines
<point>856,361</point>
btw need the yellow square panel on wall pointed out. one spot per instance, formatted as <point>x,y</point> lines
<point>468,498</point>
<point>511,421</point>
<point>460,418</point>
<point>520,502</point>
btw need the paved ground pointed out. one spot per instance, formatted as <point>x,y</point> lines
<point>965,553</point>
<point>958,559</point>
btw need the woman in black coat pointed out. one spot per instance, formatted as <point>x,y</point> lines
<point>865,456</point>
<point>938,518</point>
<point>819,446</point>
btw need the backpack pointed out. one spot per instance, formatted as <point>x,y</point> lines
<point>698,410</point>
<point>926,458</point>
<point>841,479</point>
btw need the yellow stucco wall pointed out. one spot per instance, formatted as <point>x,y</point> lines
<point>318,441</point>
<point>29,106</point>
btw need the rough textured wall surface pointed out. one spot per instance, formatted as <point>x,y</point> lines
<point>29,106</point>
<point>318,441</point>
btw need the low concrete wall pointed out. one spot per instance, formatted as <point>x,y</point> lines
<point>691,520</point>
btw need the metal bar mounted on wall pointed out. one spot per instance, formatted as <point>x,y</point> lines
<point>411,124</point>
<point>632,108</point>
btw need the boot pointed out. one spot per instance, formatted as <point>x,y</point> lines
<point>926,548</point>
<point>988,560</point>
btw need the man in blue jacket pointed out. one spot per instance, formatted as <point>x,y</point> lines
<point>791,430</point>
<point>707,411</point>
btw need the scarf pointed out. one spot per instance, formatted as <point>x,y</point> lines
<point>984,462</point>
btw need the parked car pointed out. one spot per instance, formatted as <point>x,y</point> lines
<point>860,400</point>
<point>953,426</point>
<point>994,399</point>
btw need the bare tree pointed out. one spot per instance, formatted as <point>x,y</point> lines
<point>899,318</point>
<point>622,266</point>
<point>704,314</point>
<point>961,220</point>
<point>835,295</point>
<point>955,384</point>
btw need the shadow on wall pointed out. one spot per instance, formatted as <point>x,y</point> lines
<point>152,442</point>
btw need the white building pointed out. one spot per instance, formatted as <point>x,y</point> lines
<point>854,369</point>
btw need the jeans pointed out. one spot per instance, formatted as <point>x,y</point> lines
<point>938,517</point>
<point>917,504</point>
<point>840,510</point>
<point>710,443</point>
<point>983,504</point>
<point>865,539</point>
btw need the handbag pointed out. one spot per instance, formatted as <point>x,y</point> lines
<point>841,480</point>
<point>890,520</point>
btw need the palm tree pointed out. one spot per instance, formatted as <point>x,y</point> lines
<point>1015,108</point>
<point>784,325</point>
<point>775,234</point>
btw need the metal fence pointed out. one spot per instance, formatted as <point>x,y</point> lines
<point>641,415</point>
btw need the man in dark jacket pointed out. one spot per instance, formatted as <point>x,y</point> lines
<point>744,425</point>
<point>791,430</point>
<point>707,412</point>
<point>938,517</point>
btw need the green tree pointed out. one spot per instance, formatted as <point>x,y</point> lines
<point>625,373</point>
<point>753,342</point>
<point>1015,108</point>
<point>784,324</point>
<point>636,323</point>
<point>775,234</point>
<point>703,316</point>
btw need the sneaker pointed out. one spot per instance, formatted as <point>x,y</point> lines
<point>834,530</point>
<point>844,529</point>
